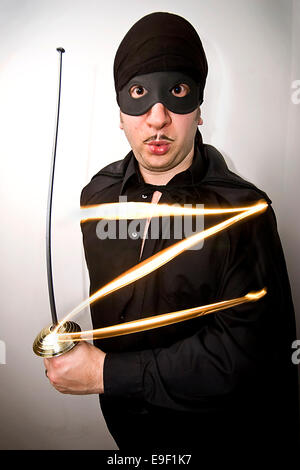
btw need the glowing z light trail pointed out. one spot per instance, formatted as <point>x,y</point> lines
<point>161,258</point>
<point>143,210</point>
<point>159,320</point>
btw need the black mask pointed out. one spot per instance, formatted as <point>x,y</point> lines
<point>160,87</point>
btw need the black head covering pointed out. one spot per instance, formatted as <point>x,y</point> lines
<point>160,42</point>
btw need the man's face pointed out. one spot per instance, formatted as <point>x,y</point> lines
<point>160,139</point>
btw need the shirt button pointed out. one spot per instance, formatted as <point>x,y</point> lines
<point>122,317</point>
<point>144,196</point>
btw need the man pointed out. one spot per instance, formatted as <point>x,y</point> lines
<point>221,381</point>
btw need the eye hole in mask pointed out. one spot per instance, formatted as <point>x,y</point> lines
<point>137,91</point>
<point>180,90</point>
<point>175,90</point>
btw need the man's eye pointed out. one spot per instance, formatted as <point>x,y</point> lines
<point>137,91</point>
<point>180,90</point>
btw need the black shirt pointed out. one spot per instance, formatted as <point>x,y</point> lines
<point>229,374</point>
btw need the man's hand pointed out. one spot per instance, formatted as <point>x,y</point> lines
<point>79,371</point>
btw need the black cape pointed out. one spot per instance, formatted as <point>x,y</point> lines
<point>223,381</point>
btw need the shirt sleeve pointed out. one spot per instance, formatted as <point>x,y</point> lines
<point>232,351</point>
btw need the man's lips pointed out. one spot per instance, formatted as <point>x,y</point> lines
<point>158,147</point>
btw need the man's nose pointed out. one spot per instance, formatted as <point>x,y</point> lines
<point>158,116</point>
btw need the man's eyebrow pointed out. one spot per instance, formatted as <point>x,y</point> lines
<point>180,83</point>
<point>137,84</point>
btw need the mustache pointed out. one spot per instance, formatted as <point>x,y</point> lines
<point>158,137</point>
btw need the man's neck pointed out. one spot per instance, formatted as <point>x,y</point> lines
<point>161,178</point>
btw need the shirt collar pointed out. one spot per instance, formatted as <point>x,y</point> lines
<point>132,173</point>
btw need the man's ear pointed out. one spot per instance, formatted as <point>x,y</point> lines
<point>121,122</point>
<point>200,120</point>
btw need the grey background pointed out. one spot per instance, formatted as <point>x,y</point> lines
<point>252,49</point>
